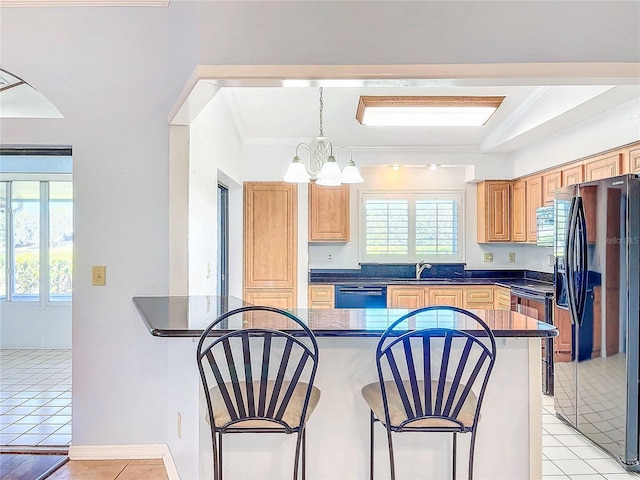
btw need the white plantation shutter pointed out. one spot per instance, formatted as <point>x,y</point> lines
<point>412,226</point>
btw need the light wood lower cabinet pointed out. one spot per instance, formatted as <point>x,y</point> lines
<point>406,297</point>
<point>479,297</point>
<point>270,297</point>
<point>475,297</point>
<point>321,296</point>
<point>451,296</point>
<point>502,298</point>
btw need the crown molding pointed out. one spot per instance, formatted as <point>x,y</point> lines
<point>84,3</point>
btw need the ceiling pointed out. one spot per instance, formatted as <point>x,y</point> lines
<point>282,115</point>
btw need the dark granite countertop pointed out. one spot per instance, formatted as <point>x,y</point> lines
<point>188,316</point>
<point>532,282</point>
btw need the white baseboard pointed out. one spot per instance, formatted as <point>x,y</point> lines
<point>126,452</point>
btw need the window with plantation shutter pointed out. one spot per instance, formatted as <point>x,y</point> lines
<point>412,226</point>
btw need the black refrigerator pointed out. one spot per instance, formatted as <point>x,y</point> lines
<point>597,278</point>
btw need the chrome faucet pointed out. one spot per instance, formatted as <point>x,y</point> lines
<point>420,266</point>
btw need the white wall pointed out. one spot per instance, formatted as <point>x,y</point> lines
<point>115,73</point>
<point>215,155</point>
<point>35,326</point>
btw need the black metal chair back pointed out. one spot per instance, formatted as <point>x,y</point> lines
<point>258,379</point>
<point>431,379</point>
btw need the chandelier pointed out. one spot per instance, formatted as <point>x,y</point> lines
<point>322,165</point>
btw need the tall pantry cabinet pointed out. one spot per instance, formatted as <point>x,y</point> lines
<point>270,243</point>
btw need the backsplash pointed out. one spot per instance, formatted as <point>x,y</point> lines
<point>371,271</point>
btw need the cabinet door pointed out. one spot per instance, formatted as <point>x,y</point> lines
<point>534,200</point>
<point>634,161</point>
<point>518,211</point>
<point>478,297</point>
<point>270,238</point>
<point>493,211</point>
<point>502,298</point>
<point>451,296</point>
<point>328,213</point>
<point>603,167</point>
<point>321,296</point>
<point>550,181</point>
<point>270,297</point>
<point>572,175</point>
<point>405,297</point>
<point>562,343</point>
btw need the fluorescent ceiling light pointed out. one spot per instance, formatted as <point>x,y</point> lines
<point>426,111</point>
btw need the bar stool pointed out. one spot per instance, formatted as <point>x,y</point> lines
<point>427,378</point>
<point>257,378</point>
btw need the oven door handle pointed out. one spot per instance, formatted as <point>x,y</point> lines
<point>529,296</point>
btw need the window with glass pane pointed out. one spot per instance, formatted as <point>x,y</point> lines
<point>25,214</point>
<point>3,240</point>
<point>411,226</point>
<point>60,240</point>
<point>386,227</point>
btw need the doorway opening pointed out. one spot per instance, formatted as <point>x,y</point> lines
<point>36,265</point>
<point>223,241</point>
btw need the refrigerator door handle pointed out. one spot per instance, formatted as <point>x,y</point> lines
<point>581,261</point>
<point>569,260</point>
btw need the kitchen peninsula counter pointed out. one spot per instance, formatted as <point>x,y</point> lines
<point>338,430</point>
<point>188,316</point>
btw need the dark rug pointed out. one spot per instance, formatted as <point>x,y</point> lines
<point>29,466</point>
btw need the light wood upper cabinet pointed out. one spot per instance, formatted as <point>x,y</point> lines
<point>572,175</point>
<point>518,211</point>
<point>493,211</point>
<point>328,213</point>
<point>451,296</point>
<point>534,200</point>
<point>605,166</point>
<point>406,297</point>
<point>634,161</point>
<point>270,243</point>
<point>550,181</point>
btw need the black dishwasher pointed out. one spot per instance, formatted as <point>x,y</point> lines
<point>361,296</point>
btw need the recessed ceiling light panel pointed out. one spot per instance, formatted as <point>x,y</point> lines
<point>426,111</point>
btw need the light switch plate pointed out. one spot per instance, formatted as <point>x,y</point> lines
<point>488,257</point>
<point>512,257</point>
<point>99,276</point>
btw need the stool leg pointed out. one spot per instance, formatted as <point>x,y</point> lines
<point>391,461</point>
<point>455,438</point>
<point>371,443</point>
<point>304,454</point>
<point>296,462</point>
<point>471,452</point>
<point>220,456</point>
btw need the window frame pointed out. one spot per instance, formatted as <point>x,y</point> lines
<point>44,291</point>
<point>412,196</point>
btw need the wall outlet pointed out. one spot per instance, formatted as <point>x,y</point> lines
<point>552,260</point>
<point>99,276</point>
<point>488,257</point>
<point>329,257</point>
<point>512,257</point>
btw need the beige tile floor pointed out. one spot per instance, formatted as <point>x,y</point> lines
<point>111,470</point>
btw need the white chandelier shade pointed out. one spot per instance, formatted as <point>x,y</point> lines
<point>322,165</point>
